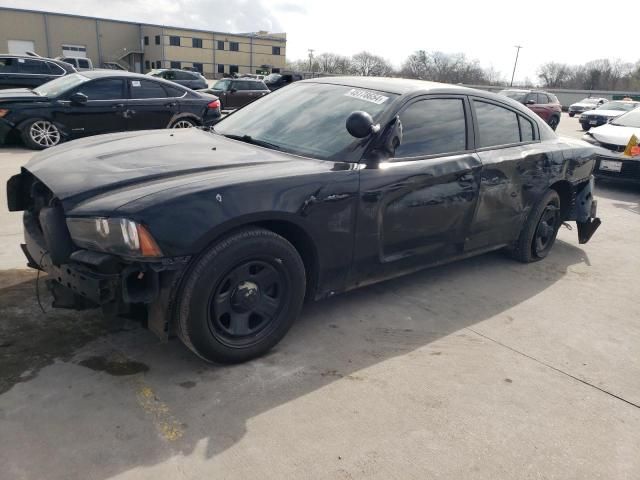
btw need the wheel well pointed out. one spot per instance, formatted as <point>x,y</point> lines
<point>565,192</point>
<point>303,243</point>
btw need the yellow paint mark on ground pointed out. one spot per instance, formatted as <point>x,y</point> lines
<point>168,426</point>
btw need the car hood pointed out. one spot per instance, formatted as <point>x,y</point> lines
<point>613,134</point>
<point>127,166</point>
<point>605,113</point>
<point>20,95</point>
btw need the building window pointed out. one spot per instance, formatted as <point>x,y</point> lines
<point>158,64</point>
<point>177,65</point>
<point>275,50</point>
<point>220,45</point>
<point>196,42</point>
<point>147,65</point>
<point>220,68</point>
<point>234,46</point>
<point>146,40</point>
<point>174,41</point>
<point>275,70</point>
<point>157,39</point>
<point>233,69</point>
<point>198,67</point>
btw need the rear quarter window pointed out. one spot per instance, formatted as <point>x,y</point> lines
<point>496,125</point>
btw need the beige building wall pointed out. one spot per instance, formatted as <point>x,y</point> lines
<point>123,42</point>
<point>24,26</point>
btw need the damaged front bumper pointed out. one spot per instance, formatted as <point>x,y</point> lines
<point>88,279</point>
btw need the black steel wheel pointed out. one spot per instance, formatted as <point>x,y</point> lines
<point>246,302</point>
<point>241,296</point>
<point>539,231</point>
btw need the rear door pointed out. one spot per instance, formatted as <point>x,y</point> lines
<point>416,208</point>
<point>104,112</point>
<point>516,167</point>
<point>150,104</point>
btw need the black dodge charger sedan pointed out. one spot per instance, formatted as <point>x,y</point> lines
<point>315,189</point>
<point>96,102</point>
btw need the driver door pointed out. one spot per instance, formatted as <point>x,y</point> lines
<point>104,112</point>
<point>416,208</point>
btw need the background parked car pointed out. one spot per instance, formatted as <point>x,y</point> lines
<point>101,101</point>
<point>236,93</point>
<point>192,80</point>
<point>605,113</point>
<point>79,63</point>
<point>585,104</point>
<point>277,80</point>
<point>613,138</point>
<point>544,104</point>
<point>23,71</point>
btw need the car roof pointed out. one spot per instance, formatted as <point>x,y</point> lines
<point>31,57</point>
<point>113,73</point>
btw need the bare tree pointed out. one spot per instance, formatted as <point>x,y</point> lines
<point>333,63</point>
<point>554,75</point>
<point>368,65</point>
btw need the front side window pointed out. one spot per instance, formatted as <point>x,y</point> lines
<point>8,65</point>
<point>222,85</point>
<point>33,67</point>
<point>320,112</point>
<point>433,126</point>
<point>103,89</point>
<point>496,125</point>
<point>141,89</point>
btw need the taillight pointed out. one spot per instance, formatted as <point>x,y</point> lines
<point>4,111</point>
<point>214,105</point>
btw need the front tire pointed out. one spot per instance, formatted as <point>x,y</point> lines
<point>39,134</point>
<point>241,296</point>
<point>553,122</point>
<point>572,115</point>
<point>586,127</point>
<point>540,230</point>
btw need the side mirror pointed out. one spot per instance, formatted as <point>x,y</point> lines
<point>79,98</point>
<point>360,124</point>
<point>233,90</point>
<point>530,102</point>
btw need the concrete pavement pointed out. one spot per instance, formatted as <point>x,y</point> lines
<point>482,369</point>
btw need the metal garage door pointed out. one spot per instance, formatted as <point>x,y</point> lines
<point>20,47</point>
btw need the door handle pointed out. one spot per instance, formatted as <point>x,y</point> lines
<point>172,104</point>
<point>118,105</point>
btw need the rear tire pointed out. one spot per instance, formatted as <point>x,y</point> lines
<point>539,231</point>
<point>586,127</point>
<point>241,296</point>
<point>572,115</point>
<point>184,123</point>
<point>39,134</point>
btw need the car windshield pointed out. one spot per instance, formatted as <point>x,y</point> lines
<point>515,94</point>
<point>305,119</point>
<point>57,87</point>
<point>222,85</point>
<point>591,101</point>
<point>631,119</point>
<point>622,106</point>
<point>274,77</point>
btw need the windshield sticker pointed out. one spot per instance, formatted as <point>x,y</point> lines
<point>135,83</point>
<point>367,96</point>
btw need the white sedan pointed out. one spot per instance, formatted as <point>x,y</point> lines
<point>615,160</point>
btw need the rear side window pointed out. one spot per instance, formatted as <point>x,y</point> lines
<point>542,98</point>
<point>261,86</point>
<point>141,89</point>
<point>496,125</point>
<point>185,76</point>
<point>56,69</point>
<point>433,126</point>
<point>104,89</point>
<point>33,67</point>
<point>173,91</point>
<point>527,132</point>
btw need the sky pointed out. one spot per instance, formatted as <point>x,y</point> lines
<point>560,30</point>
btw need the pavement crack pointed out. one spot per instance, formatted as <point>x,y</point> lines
<point>611,394</point>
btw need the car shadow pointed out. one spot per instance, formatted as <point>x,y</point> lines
<point>624,195</point>
<point>210,406</point>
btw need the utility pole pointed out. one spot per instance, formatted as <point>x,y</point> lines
<point>311,50</point>
<point>515,64</point>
